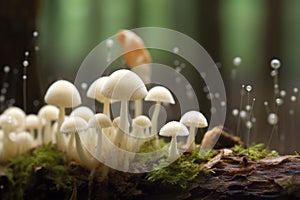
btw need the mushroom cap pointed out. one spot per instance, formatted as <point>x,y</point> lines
<point>124,85</point>
<point>194,119</point>
<point>160,94</point>
<point>173,128</point>
<point>141,121</point>
<point>63,94</point>
<point>48,112</point>
<point>100,120</point>
<point>94,91</point>
<point>32,121</point>
<point>8,121</point>
<point>18,114</point>
<point>82,111</point>
<point>73,124</point>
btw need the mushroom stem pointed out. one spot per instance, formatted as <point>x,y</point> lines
<point>99,143</point>
<point>154,118</point>
<point>47,133</point>
<point>190,143</point>
<point>173,151</point>
<point>106,108</point>
<point>59,136</point>
<point>124,116</point>
<point>70,147</point>
<point>80,152</point>
<point>138,105</point>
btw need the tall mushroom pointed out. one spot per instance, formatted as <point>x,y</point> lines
<point>135,54</point>
<point>94,92</point>
<point>173,129</point>
<point>193,119</point>
<point>49,113</point>
<point>123,85</point>
<point>62,94</point>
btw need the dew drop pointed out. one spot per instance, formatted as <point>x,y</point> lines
<point>176,62</point>
<point>5,85</point>
<point>279,101</point>
<point>295,90</point>
<point>253,119</point>
<point>26,53</point>
<point>176,50</point>
<point>249,124</point>
<point>178,69</point>
<point>217,95</point>
<point>223,103</point>
<point>109,43</point>
<point>273,119</point>
<point>274,73</point>
<point>84,85</point>
<point>36,48</point>
<point>248,88</point>
<point>237,61</point>
<point>1,187</point>
<point>293,98</point>
<point>291,112</point>
<point>243,114</point>
<point>282,93</point>
<point>275,63</point>
<point>6,69</point>
<point>3,90</point>
<point>276,86</point>
<point>188,87</point>
<point>209,96</point>
<point>35,33</point>
<point>178,79</point>
<point>190,94</point>
<point>12,136</point>
<point>248,107</point>
<point>266,103</point>
<point>2,98</point>
<point>213,110</point>
<point>235,112</point>
<point>24,77</point>
<point>25,63</point>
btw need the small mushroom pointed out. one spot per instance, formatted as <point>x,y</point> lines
<point>74,125</point>
<point>94,92</point>
<point>140,130</point>
<point>34,125</point>
<point>82,111</point>
<point>124,85</point>
<point>193,119</point>
<point>18,114</point>
<point>25,142</point>
<point>62,94</point>
<point>50,114</point>
<point>173,129</point>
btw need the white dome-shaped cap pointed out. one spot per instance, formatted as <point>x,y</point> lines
<point>94,91</point>
<point>32,121</point>
<point>100,120</point>
<point>63,94</point>
<point>8,121</point>
<point>194,119</point>
<point>48,112</point>
<point>124,85</point>
<point>82,111</point>
<point>173,128</point>
<point>160,94</point>
<point>18,114</point>
<point>73,124</point>
<point>141,121</point>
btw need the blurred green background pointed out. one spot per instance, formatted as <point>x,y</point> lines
<point>255,30</point>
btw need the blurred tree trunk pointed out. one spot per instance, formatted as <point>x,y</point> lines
<point>17,24</point>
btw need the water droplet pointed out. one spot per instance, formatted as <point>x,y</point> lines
<point>243,114</point>
<point>35,33</point>
<point>282,93</point>
<point>291,112</point>
<point>275,63</point>
<point>213,110</point>
<point>266,103</point>
<point>274,73</point>
<point>276,86</point>
<point>190,94</point>
<point>188,87</point>
<point>279,101</point>
<point>6,69</point>
<point>217,95</point>
<point>26,53</point>
<point>109,43</point>
<point>178,79</point>
<point>237,61</point>
<point>273,119</point>
<point>3,90</point>
<point>36,48</point>
<point>176,62</point>
<point>209,96</point>
<point>249,124</point>
<point>84,86</point>
<point>235,112</point>
<point>182,65</point>
<point>176,50</point>
<point>248,107</point>
<point>295,90</point>
<point>293,98</point>
<point>2,98</point>
<point>205,89</point>
<point>178,69</point>
<point>253,119</point>
<point>24,77</point>
<point>25,63</point>
<point>1,187</point>
<point>248,88</point>
<point>223,103</point>
<point>12,136</point>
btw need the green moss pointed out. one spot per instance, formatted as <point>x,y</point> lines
<point>254,152</point>
<point>183,171</point>
<point>149,146</point>
<point>38,173</point>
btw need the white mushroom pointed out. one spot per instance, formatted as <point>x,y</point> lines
<point>124,85</point>
<point>94,92</point>
<point>82,111</point>
<point>18,114</point>
<point>62,94</point>
<point>158,94</point>
<point>34,125</point>
<point>173,129</point>
<point>74,125</point>
<point>193,119</point>
<point>140,131</point>
<point>25,142</point>
<point>50,114</point>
